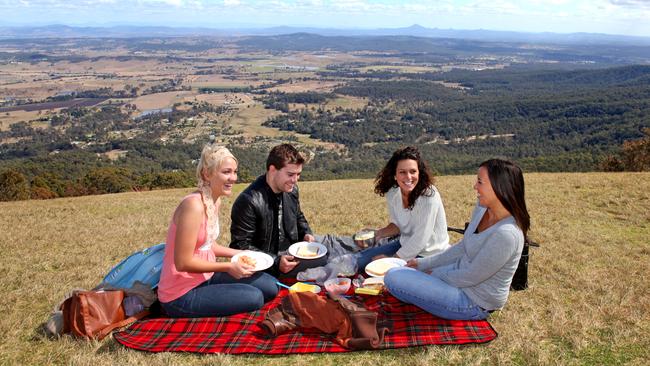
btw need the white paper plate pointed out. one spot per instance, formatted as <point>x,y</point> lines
<point>294,248</point>
<point>379,263</point>
<point>264,260</point>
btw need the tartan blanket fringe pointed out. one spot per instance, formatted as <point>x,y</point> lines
<point>240,334</point>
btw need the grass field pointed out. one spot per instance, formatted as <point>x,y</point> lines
<point>588,304</point>
<point>159,100</point>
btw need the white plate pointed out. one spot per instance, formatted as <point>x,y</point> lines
<point>264,260</point>
<point>293,249</point>
<point>392,262</point>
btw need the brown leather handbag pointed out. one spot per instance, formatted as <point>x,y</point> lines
<point>351,324</point>
<point>94,314</point>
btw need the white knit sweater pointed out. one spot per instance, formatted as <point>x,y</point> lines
<point>423,229</point>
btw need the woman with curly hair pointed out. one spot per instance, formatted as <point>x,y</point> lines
<point>192,283</point>
<point>472,278</point>
<point>415,208</point>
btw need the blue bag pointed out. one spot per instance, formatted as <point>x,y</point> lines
<point>143,266</point>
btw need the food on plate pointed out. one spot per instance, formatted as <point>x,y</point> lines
<point>250,261</point>
<point>303,287</point>
<point>307,251</point>
<point>374,283</point>
<point>379,268</point>
<point>338,286</point>
<point>364,235</point>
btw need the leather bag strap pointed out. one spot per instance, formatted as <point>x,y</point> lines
<point>109,328</point>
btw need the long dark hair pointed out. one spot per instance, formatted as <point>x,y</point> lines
<point>385,179</point>
<point>507,181</point>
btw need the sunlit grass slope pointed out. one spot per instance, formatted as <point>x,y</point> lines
<point>589,300</point>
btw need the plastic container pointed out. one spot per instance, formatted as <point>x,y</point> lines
<point>364,238</point>
<point>338,286</point>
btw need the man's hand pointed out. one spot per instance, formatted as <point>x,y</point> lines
<point>413,263</point>
<point>287,263</point>
<point>239,270</point>
<point>310,238</point>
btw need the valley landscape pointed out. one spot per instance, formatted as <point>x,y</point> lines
<point>111,121</point>
<point>132,113</point>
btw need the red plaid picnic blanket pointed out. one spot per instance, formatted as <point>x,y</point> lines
<point>410,326</point>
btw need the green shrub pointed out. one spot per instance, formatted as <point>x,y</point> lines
<point>13,186</point>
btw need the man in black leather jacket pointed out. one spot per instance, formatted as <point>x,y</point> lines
<point>266,216</point>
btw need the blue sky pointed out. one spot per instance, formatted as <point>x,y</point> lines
<point>628,17</point>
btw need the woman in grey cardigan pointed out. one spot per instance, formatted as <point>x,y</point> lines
<point>472,278</point>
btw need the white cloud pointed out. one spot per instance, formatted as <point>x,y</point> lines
<point>177,3</point>
<point>632,3</point>
<point>532,15</point>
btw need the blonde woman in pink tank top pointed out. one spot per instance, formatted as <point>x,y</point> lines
<point>192,283</point>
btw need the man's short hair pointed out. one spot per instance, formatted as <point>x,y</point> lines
<point>284,154</point>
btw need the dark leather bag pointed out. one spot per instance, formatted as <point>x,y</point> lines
<point>352,325</point>
<point>94,314</point>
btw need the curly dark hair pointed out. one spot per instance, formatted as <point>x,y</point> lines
<point>385,179</point>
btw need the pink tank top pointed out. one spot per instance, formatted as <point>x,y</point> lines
<point>174,284</point>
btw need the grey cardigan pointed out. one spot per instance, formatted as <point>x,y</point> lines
<point>482,264</point>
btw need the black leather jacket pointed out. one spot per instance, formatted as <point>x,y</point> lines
<point>252,218</point>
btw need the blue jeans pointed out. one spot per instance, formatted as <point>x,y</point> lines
<point>224,295</point>
<point>432,294</point>
<point>365,256</point>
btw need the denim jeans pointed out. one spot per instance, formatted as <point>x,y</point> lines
<point>432,294</point>
<point>224,295</point>
<point>365,256</point>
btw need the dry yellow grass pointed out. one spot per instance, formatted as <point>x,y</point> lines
<point>332,104</point>
<point>398,68</point>
<point>589,300</point>
<point>347,102</point>
<point>250,119</point>
<point>222,98</point>
<point>160,100</point>
<point>306,86</point>
<point>9,118</point>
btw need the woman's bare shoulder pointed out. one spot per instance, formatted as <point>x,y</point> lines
<point>191,205</point>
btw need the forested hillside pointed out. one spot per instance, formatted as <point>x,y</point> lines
<point>550,107</point>
<point>553,121</point>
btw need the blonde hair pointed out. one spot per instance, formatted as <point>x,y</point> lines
<point>212,157</point>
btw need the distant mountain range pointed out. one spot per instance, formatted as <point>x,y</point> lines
<point>64,31</point>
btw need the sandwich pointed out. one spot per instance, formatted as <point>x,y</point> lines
<point>379,268</point>
<point>371,286</point>
<point>307,251</point>
<point>374,283</point>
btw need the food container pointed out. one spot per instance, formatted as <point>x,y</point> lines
<point>338,286</point>
<point>364,239</point>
